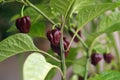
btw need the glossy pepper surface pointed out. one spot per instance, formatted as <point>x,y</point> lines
<point>23,24</point>
<point>54,36</point>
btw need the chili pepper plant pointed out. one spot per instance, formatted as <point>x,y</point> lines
<point>80,36</point>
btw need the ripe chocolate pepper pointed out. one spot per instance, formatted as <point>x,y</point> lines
<point>108,57</point>
<point>54,36</point>
<point>72,34</point>
<point>95,58</point>
<point>23,24</point>
<point>57,48</point>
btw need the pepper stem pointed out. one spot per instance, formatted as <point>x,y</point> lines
<point>22,11</point>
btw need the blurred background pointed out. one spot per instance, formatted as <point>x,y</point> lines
<point>10,68</point>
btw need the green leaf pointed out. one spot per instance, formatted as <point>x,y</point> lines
<point>79,4</point>
<point>88,13</point>
<point>61,6</point>
<point>108,25</point>
<point>95,35</point>
<point>109,75</point>
<point>51,74</point>
<point>38,29</point>
<point>36,67</point>
<point>78,69</point>
<point>15,44</point>
<point>71,56</point>
<point>79,66</point>
<point>109,20</point>
<point>100,48</point>
<point>35,16</point>
<point>45,8</point>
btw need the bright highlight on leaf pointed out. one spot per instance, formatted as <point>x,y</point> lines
<point>36,67</point>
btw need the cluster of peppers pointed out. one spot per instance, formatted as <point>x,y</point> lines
<point>23,25</point>
<point>54,38</point>
<point>95,58</point>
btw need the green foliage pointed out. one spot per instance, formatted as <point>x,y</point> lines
<point>88,13</point>
<point>101,48</point>
<point>15,44</point>
<point>36,67</point>
<point>79,4</point>
<point>109,20</point>
<point>71,56</point>
<point>94,36</point>
<point>61,7</point>
<point>35,16</point>
<point>79,66</point>
<point>108,24</point>
<point>38,29</point>
<point>109,75</point>
<point>51,74</point>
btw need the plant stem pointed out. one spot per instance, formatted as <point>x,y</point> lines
<point>63,65</point>
<point>39,11</point>
<point>3,1</point>
<point>72,40</point>
<point>62,55</point>
<point>87,54</point>
<point>21,1</point>
<point>81,40</point>
<point>87,62</point>
<point>86,66</point>
<point>22,14</point>
<point>59,70</point>
<point>89,51</point>
<point>49,55</point>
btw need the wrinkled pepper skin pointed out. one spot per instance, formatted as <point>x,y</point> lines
<point>54,36</point>
<point>95,58</point>
<point>57,48</point>
<point>23,24</point>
